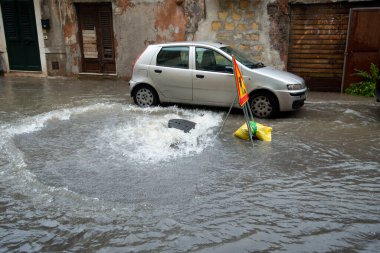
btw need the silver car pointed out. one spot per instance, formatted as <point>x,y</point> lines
<point>202,73</point>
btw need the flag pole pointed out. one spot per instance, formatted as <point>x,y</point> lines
<point>243,96</point>
<point>247,123</point>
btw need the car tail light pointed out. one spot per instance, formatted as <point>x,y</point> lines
<point>138,57</point>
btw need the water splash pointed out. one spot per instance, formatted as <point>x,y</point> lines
<point>147,138</point>
<point>142,134</point>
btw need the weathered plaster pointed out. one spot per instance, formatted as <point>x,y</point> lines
<point>204,31</point>
<point>269,56</point>
<point>70,33</point>
<point>133,31</point>
<point>54,43</point>
<point>122,6</point>
<point>258,27</point>
<point>169,27</point>
<point>152,21</point>
<point>194,13</point>
<point>136,24</point>
<point>278,12</point>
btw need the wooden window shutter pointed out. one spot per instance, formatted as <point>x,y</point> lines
<point>105,15</point>
<point>25,24</point>
<point>10,19</point>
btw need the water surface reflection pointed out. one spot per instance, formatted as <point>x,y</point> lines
<point>84,170</point>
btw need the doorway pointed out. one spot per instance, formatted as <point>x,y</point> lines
<point>21,35</point>
<point>363,45</point>
<point>96,37</point>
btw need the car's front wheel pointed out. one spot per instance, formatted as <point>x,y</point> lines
<point>145,96</point>
<point>263,104</point>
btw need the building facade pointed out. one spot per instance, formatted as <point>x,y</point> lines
<point>320,40</point>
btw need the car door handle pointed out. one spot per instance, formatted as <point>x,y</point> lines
<point>158,70</point>
<point>200,76</point>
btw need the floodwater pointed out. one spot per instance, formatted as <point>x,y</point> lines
<point>84,170</point>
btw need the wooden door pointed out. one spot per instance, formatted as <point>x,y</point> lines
<point>363,46</point>
<point>21,35</point>
<point>96,38</point>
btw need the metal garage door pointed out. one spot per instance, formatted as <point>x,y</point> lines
<point>317,43</point>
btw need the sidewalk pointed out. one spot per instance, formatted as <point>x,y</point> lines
<point>123,87</point>
<point>341,98</point>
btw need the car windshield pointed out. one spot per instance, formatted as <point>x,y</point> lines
<point>252,64</point>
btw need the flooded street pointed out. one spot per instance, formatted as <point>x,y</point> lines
<point>82,169</point>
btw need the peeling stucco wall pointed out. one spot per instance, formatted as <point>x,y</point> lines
<point>140,23</point>
<point>136,24</point>
<point>270,54</point>
<point>204,31</point>
<point>278,32</point>
<point>258,27</point>
<point>194,12</point>
<point>275,20</point>
<point>55,51</point>
<point>152,21</point>
<point>133,30</point>
<point>245,24</point>
<point>70,33</point>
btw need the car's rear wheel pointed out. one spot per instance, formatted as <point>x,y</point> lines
<point>263,104</point>
<point>145,96</point>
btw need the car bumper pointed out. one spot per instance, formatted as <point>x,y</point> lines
<point>291,100</point>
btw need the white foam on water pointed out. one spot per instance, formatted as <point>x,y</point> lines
<point>141,135</point>
<point>358,114</point>
<point>37,122</point>
<point>34,123</point>
<point>147,139</point>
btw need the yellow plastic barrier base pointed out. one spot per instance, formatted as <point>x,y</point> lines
<point>259,131</point>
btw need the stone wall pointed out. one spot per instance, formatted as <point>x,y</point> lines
<point>248,26</point>
<point>260,28</point>
<point>238,24</point>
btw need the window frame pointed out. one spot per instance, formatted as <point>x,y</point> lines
<point>214,51</point>
<point>174,66</point>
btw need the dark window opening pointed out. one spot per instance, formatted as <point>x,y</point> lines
<point>210,60</point>
<point>175,57</point>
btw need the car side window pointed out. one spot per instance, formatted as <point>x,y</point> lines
<point>175,57</point>
<point>210,60</point>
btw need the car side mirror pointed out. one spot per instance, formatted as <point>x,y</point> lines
<point>229,69</point>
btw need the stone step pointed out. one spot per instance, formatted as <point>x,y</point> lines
<point>84,75</point>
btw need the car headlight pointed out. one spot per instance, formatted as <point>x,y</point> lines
<point>295,86</point>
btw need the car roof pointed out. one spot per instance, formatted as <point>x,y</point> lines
<point>193,43</point>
